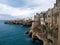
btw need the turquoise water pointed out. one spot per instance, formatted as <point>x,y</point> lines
<point>14,35</point>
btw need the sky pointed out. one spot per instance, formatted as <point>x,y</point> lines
<point>13,9</point>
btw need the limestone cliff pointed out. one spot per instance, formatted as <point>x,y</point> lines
<point>49,30</point>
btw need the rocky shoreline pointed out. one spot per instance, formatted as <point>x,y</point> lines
<point>46,29</point>
<point>19,22</point>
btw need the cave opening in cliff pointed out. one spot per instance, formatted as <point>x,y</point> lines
<point>41,42</point>
<point>37,42</point>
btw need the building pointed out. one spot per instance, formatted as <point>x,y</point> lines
<point>36,21</point>
<point>51,32</point>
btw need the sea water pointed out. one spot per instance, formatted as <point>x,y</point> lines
<point>14,35</point>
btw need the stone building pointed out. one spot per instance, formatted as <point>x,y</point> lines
<point>36,21</point>
<point>54,19</point>
<point>52,30</point>
<point>58,5</point>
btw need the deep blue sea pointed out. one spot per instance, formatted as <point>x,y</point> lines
<point>14,35</point>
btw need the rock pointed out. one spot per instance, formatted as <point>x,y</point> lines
<point>27,32</point>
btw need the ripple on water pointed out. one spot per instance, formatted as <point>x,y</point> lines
<point>14,35</point>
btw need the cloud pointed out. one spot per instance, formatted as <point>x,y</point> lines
<point>5,9</point>
<point>24,8</point>
<point>27,3</point>
<point>6,17</point>
<point>14,3</point>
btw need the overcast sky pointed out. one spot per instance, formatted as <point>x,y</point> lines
<point>12,9</point>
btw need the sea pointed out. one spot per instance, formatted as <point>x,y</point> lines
<point>11,34</point>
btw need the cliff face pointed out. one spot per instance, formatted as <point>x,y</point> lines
<point>59,31</point>
<point>49,32</point>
